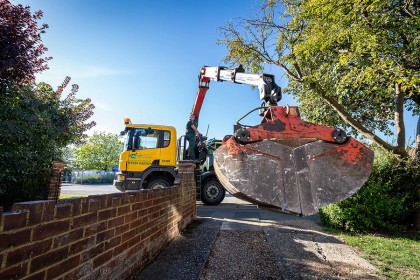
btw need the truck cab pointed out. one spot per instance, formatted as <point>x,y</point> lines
<point>149,160</point>
<point>149,157</point>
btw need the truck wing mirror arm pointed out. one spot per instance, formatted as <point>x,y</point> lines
<point>136,142</point>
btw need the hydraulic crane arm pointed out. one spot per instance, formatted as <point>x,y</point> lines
<point>270,93</point>
<point>284,162</point>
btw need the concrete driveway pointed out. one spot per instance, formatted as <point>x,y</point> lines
<point>238,240</point>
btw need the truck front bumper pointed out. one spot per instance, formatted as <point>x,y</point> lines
<point>122,183</point>
<point>119,181</point>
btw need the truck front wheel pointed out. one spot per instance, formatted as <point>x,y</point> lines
<point>212,192</point>
<point>158,183</point>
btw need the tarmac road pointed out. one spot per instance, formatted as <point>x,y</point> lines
<point>85,190</point>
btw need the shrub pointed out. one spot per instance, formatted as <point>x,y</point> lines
<point>386,202</point>
<point>36,122</point>
<point>95,179</point>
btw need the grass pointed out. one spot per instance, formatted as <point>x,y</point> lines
<point>396,257</point>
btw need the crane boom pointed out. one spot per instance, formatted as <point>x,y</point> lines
<point>285,162</point>
<point>270,93</point>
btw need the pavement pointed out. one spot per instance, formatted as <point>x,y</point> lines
<point>238,240</point>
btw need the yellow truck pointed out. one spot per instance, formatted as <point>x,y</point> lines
<point>149,160</point>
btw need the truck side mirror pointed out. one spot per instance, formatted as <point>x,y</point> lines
<point>136,142</point>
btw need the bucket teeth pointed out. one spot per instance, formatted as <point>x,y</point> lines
<point>298,179</point>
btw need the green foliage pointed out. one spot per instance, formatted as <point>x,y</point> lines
<point>387,201</point>
<point>358,50</point>
<point>345,60</point>
<point>35,124</point>
<point>101,152</point>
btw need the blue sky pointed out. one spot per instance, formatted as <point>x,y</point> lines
<point>140,59</point>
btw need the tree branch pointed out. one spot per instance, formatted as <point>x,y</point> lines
<point>406,8</point>
<point>290,73</point>
<point>355,124</point>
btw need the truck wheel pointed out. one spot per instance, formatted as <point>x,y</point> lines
<point>212,192</point>
<point>158,183</point>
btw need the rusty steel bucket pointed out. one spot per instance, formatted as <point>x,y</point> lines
<point>298,175</point>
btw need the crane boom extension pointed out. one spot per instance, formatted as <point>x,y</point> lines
<point>284,162</point>
<point>270,93</point>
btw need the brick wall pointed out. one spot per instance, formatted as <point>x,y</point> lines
<point>98,237</point>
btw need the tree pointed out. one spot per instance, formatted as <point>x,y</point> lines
<point>20,44</point>
<point>353,64</point>
<point>36,123</point>
<point>101,152</point>
<point>350,63</point>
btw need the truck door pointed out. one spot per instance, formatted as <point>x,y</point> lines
<point>145,150</point>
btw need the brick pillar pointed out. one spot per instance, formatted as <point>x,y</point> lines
<point>188,188</point>
<point>186,172</point>
<point>55,184</point>
<point>186,166</point>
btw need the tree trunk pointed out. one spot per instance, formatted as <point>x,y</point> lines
<point>399,119</point>
<point>418,139</point>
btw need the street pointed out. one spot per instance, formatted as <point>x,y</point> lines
<point>85,190</point>
<point>68,190</point>
<point>239,240</point>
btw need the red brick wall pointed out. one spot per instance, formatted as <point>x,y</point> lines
<point>98,237</point>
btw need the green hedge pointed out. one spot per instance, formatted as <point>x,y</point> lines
<point>95,179</point>
<point>26,186</point>
<point>386,202</point>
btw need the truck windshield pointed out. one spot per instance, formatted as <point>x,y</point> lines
<point>146,138</point>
